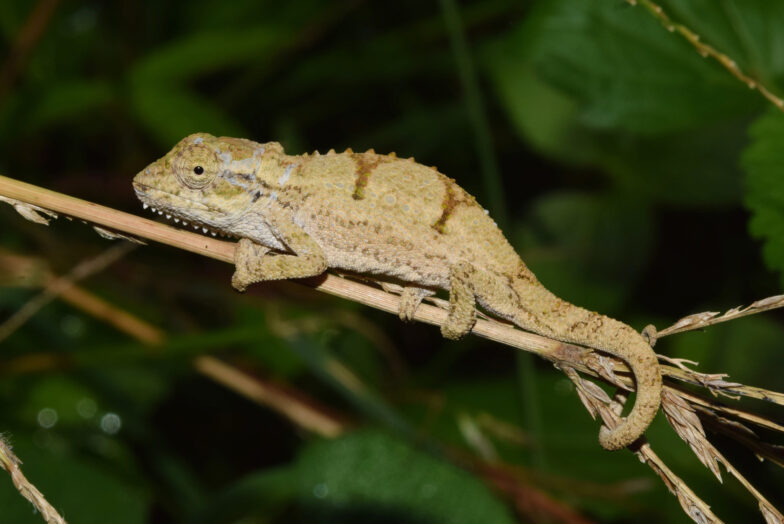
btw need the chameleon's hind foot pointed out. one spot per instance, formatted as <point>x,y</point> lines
<point>457,327</point>
<point>462,303</point>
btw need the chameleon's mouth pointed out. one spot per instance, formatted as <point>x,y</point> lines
<point>166,204</point>
<point>148,195</point>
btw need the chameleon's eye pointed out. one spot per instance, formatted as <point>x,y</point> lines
<point>196,166</point>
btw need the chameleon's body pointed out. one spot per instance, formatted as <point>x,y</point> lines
<point>380,215</point>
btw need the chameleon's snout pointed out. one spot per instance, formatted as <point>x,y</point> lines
<point>146,177</point>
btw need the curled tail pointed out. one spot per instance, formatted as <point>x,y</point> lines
<point>625,343</point>
<point>563,321</point>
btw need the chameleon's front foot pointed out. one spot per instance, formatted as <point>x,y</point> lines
<point>254,263</point>
<point>246,260</point>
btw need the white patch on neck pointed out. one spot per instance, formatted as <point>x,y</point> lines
<point>198,140</point>
<point>258,231</point>
<point>273,197</point>
<point>246,165</point>
<point>226,157</point>
<point>233,180</point>
<point>286,174</point>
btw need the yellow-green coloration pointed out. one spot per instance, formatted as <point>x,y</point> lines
<point>297,216</point>
<point>225,190</point>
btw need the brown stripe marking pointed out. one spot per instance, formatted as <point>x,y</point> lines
<point>452,199</point>
<point>366,163</point>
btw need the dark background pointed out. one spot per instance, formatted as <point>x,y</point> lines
<point>634,176</point>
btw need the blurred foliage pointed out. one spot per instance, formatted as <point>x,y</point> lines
<point>625,160</point>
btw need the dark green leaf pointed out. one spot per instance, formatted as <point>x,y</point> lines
<point>628,71</point>
<point>169,114</point>
<point>69,100</point>
<point>603,85</point>
<point>589,249</point>
<point>369,476</point>
<point>262,492</point>
<point>202,53</point>
<point>763,162</point>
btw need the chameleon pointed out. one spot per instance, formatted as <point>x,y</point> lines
<point>385,217</point>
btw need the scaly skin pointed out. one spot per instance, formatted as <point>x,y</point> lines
<point>297,216</point>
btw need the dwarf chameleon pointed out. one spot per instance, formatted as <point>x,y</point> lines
<point>379,215</point>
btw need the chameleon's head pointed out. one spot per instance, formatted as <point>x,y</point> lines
<point>205,180</point>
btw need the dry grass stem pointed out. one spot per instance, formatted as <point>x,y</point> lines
<point>707,51</point>
<point>684,420</point>
<point>716,407</point>
<point>682,408</point>
<point>709,318</point>
<point>24,43</point>
<point>682,416</point>
<point>770,514</point>
<point>686,423</point>
<point>715,383</point>
<point>597,402</point>
<point>744,435</point>
<point>32,213</point>
<point>10,463</point>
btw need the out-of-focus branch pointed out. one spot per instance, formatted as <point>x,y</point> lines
<point>294,406</point>
<point>25,41</point>
<point>57,286</point>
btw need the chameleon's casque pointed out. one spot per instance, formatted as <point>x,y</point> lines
<point>380,215</point>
